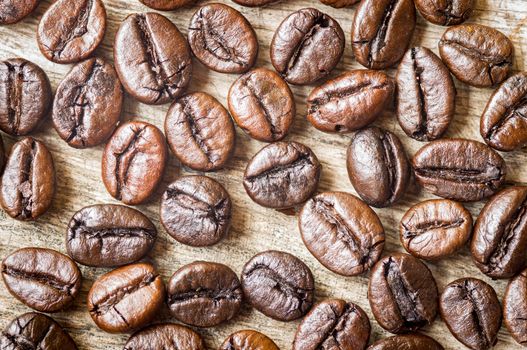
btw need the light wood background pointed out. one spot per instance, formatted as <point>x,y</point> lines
<point>254,228</point>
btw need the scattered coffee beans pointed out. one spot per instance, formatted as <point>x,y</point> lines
<point>515,307</point>
<point>248,340</point>
<point>445,13</point>
<point>12,11</point>
<point>166,336</point>
<point>407,342</point>
<point>166,5</point>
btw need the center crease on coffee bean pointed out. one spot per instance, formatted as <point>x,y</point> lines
<point>14,95</point>
<point>128,154</point>
<point>421,130</point>
<point>512,112</point>
<point>378,42</point>
<point>476,313</point>
<point>422,227</point>
<point>42,278</point>
<point>195,130</point>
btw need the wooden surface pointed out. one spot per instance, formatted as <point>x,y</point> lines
<point>254,228</point>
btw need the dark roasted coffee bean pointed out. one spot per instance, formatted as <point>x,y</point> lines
<point>282,175</point>
<point>108,235</point>
<point>166,336</point>
<point>200,132</point>
<point>407,342</point>
<point>402,293</point>
<point>126,298</point>
<point>222,39</point>
<point>25,96</point>
<point>152,58</point>
<point>43,279</point>
<point>262,105</point>
<point>382,31</point>
<point>515,307</point>
<point>70,31</point>
<point>350,101</point>
<point>166,5</point>
<point>204,294</point>
<point>333,324</point>
<point>87,105</point>
<point>28,183</point>
<point>339,3</point>
<point>423,77</point>
<point>12,11</point>
<point>477,55</point>
<point>435,229</point>
<point>133,162</point>
<point>341,232</point>
<point>459,169</point>
<point>445,12</point>
<point>306,46</point>
<point>279,285</point>
<point>248,340</point>
<point>472,312</point>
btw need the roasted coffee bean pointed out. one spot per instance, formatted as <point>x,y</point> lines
<point>152,58</point>
<point>306,46</point>
<point>88,103</point>
<point>28,182</point>
<point>407,342</point>
<point>515,307</point>
<point>12,11</point>
<point>382,31</point>
<point>262,104</point>
<point>254,3</point>
<point>279,285</point>
<point>166,5</point>
<point>2,156</point>
<point>423,77</point>
<point>35,331</point>
<point>200,132</point>
<point>477,55</point>
<point>445,12</point>
<point>166,336</point>
<point>43,279</point>
<point>378,166</point>
<point>282,175</point>
<point>472,312</point>
<point>342,232</point>
<point>70,31</point>
<point>402,293</point>
<point>248,340</point>
<point>25,96</point>
<point>339,3</point>
<point>126,298</point>
<point>133,162</point>
<point>222,39</point>
<point>108,235</point>
<point>333,324</point>
<point>503,123</point>
<point>459,169</point>
<point>350,101</point>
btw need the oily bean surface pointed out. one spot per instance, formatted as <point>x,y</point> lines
<point>166,336</point>
<point>13,11</point>
<point>339,3</point>
<point>515,307</point>
<point>248,340</point>
<point>413,341</point>
<point>445,12</point>
<point>166,5</point>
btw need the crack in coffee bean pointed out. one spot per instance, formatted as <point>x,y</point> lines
<point>485,176</point>
<point>284,171</point>
<point>99,233</point>
<point>195,131</point>
<point>268,116</point>
<point>422,128</point>
<point>390,160</point>
<point>338,326</point>
<point>424,227</point>
<point>15,82</point>
<point>216,295</point>
<point>476,314</point>
<point>511,113</point>
<point>379,40</point>
<point>126,157</point>
<point>25,188</point>
<point>41,278</point>
<point>23,342</point>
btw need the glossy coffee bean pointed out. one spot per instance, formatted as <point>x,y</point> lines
<point>339,3</point>
<point>515,308</point>
<point>254,3</point>
<point>472,312</point>
<point>413,341</point>
<point>133,162</point>
<point>43,279</point>
<point>222,39</point>
<point>382,31</point>
<point>333,324</point>
<point>350,101</point>
<point>279,285</point>
<point>445,12</point>
<point>152,58</point>
<point>71,31</point>
<point>248,340</point>
<point>88,103</point>
<point>342,232</point>
<point>167,336</point>
<point>459,169</point>
<point>108,235</point>
<point>402,293</point>
<point>167,5</point>
<point>306,46</point>
<point>28,183</point>
<point>282,175</point>
<point>13,11</point>
<point>477,55</point>
<point>126,298</point>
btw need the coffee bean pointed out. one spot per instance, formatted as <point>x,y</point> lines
<point>382,31</point>
<point>350,101</point>
<point>2,156</point>
<point>306,46</point>
<point>262,104</point>
<point>472,312</point>
<point>167,336</point>
<point>222,39</point>
<point>503,123</point>
<point>282,175</point>
<point>200,132</point>
<point>13,11</point>
<point>445,13</point>
<point>341,232</point>
<point>43,279</point>
<point>423,77</point>
<point>407,342</point>
<point>28,182</point>
<point>126,298</point>
<point>339,3</point>
<point>477,55</point>
<point>25,96</point>
<point>167,5</point>
<point>279,285</point>
<point>515,307</point>
<point>459,169</point>
<point>152,58</point>
<point>333,324</point>
<point>254,3</point>
<point>88,103</point>
<point>133,162</point>
<point>108,235</point>
<point>71,31</point>
<point>248,340</point>
<point>402,293</point>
